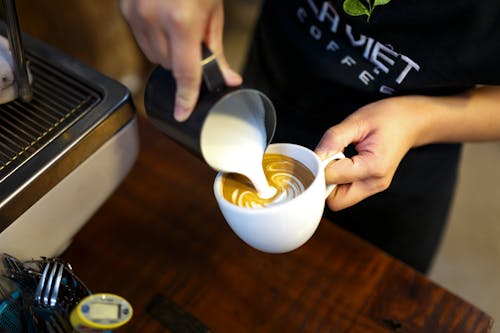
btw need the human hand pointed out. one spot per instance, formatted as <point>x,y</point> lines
<point>382,133</point>
<point>171,32</point>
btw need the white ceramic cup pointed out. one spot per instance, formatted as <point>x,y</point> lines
<point>285,226</point>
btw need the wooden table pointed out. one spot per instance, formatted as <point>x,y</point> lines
<point>161,233</point>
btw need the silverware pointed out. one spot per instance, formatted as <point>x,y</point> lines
<point>48,287</point>
<point>49,290</point>
<point>45,300</point>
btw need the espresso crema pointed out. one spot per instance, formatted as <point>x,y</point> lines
<point>287,175</point>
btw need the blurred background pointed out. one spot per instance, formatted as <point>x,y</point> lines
<point>468,262</point>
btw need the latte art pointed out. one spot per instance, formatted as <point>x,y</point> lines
<point>288,176</point>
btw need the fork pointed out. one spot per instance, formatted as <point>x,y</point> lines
<point>48,286</point>
<point>45,299</point>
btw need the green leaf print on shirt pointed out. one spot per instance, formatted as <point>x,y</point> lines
<point>362,7</point>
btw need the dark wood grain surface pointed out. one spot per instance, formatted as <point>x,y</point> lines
<point>161,233</point>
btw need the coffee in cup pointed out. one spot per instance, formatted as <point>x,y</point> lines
<point>280,226</point>
<point>285,174</point>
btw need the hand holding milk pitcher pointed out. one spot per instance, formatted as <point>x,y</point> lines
<point>272,196</point>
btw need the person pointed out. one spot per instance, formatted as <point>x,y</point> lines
<point>398,92</point>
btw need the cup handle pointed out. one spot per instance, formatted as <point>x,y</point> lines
<point>212,75</point>
<point>324,163</point>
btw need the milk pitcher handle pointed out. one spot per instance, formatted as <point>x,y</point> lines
<point>212,75</point>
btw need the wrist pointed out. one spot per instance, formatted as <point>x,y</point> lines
<point>419,118</point>
<point>438,119</point>
<point>431,121</point>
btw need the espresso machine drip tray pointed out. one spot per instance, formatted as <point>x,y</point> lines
<point>25,128</point>
<point>62,153</point>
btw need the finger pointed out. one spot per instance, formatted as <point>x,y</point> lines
<point>151,40</point>
<point>153,44</point>
<point>125,8</point>
<point>159,48</point>
<point>186,67</point>
<point>214,42</point>
<point>347,195</point>
<point>348,170</point>
<point>231,77</point>
<point>144,41</point>
<point>338,137</point>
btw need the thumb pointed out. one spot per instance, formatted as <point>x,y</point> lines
<point>214,42</point>
<point>231,77</point>
<point>337,137</point>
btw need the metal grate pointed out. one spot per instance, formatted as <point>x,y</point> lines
<point>58,101</point>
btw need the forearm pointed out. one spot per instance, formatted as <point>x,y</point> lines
<point>383,132</point>
<point>471,116</point>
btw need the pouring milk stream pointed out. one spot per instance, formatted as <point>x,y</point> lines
<point>233,139</point>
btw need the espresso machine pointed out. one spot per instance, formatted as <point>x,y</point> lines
<point>66,142</point>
